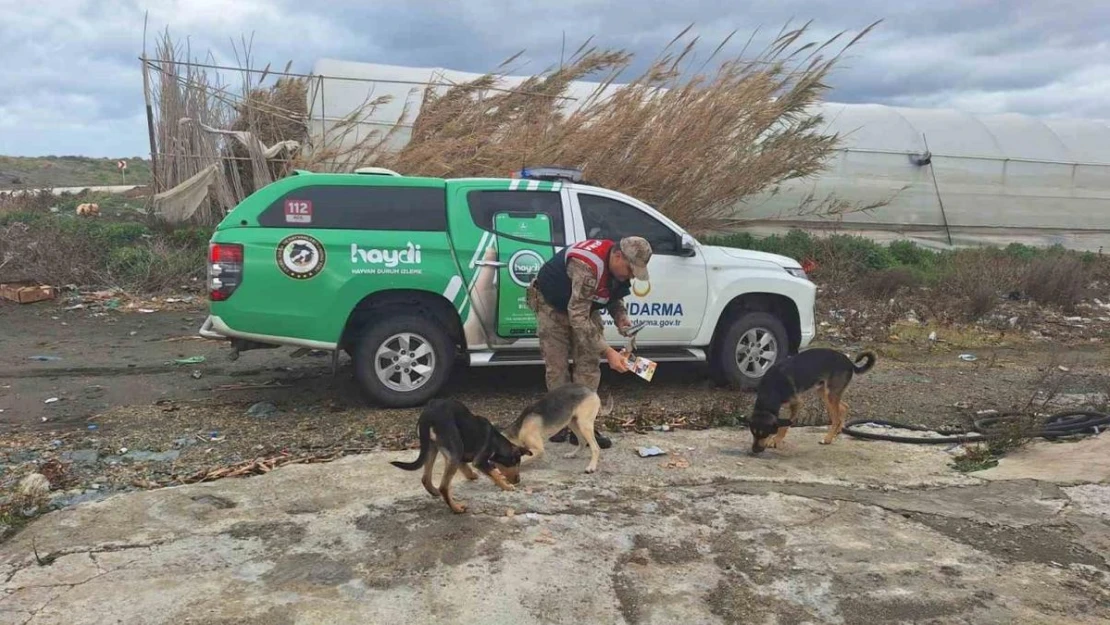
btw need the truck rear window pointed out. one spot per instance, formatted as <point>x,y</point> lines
<point>485,204</point>
<point>414,209</point>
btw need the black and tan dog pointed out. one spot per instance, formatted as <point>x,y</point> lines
<point>447,427</point>
<point>571,405</point>
<point>784,383</point>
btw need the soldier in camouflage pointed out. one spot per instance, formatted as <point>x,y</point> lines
<point>568,295</point>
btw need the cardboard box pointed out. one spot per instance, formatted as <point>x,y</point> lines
<point>24,294</point>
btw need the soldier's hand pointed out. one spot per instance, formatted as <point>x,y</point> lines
<point>616,361</point>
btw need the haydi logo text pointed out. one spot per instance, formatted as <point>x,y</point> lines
<point>410,255</point>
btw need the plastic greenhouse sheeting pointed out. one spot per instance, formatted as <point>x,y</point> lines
<point>1001,178</point>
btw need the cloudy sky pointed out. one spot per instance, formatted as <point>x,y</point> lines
<point>72,82</point>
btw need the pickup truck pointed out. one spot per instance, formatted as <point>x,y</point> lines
<point>409,274</point>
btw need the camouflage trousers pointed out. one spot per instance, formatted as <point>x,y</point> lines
<point>558,345</point>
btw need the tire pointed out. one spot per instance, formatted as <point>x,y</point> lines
<point>747,327</point>
<point>390,389</point>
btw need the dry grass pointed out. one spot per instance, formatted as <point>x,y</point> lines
<point>694,141</point>
<point>201,120</point>
<point>692,144</point>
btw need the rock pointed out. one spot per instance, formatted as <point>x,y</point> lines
<point>81,456</point>
<point>21,456</point>
<point>262,410</point>
<point>151,456</point>
<point>71,498</point>
<point>34,488</point>
<point>186,441</point>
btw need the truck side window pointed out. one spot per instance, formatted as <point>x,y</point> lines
<point>359,207</point>
<point>485,204</point>
<point>606,218</point>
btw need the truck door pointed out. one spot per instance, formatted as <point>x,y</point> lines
<point>513,227</point>
<point>674,307</point>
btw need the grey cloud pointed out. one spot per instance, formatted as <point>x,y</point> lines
<point>76,60</point>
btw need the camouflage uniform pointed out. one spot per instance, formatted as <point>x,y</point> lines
<point>576,334</point>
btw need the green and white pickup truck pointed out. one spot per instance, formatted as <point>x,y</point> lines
<point>407,274</point>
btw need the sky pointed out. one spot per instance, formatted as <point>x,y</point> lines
<point>72,81</point>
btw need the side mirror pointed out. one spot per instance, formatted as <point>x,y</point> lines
<point>687,245</point>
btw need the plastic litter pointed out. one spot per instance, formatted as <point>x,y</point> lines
<point>262,410</point>
<point>647,452</point>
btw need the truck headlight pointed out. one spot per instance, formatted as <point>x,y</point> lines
<point>797,272</point>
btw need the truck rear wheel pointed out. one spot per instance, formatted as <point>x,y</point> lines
<point>403,361</point>
<point>752,344</point>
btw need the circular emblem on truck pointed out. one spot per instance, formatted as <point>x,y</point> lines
<point>300,256</point>
<point>640,289</point>
<point>524,266</point>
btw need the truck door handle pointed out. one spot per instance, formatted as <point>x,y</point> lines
<point>491,263</point>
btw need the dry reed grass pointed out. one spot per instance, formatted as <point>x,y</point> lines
<point>691,142</point>
<point>197,113</point>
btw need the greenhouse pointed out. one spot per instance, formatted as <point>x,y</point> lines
<point>942,177</point>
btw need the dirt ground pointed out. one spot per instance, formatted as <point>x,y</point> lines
<point>859,531</point>
<point>128,416</point>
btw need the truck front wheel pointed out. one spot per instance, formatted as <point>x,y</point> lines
<point>752,344</point>
<point>403,361</point>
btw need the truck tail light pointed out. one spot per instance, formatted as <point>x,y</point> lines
<point>225,270</point>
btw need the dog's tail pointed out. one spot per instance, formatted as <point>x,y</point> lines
<point>425,443</point>
<point>607,409</point>
<point>865,367</point>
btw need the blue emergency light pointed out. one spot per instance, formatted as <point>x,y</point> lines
<point>550,174</point>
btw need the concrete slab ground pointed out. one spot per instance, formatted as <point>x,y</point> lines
<point>856,532</point>
<point>1083,461</point>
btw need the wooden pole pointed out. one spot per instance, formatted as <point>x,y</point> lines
<point>150,126</point>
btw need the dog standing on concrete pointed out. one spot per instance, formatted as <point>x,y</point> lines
<point>574,405</point>
<point>785,382</point>
<point>447,427</point>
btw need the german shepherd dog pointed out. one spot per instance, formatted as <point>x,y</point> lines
<point>785,382</point>
<point>574,405</point>
<point>447,427</point>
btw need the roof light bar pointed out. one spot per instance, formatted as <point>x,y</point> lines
<point>550,174</point>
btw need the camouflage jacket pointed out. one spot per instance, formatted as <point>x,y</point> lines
<point>583,283</point>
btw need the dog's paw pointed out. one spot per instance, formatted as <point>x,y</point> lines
<point>591,469</point>
<point>825,441</point>
<point>458,508</point>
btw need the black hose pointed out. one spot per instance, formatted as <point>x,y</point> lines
<point>1060,425</point>
<point>960,437</point>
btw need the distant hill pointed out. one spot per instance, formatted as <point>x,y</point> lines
<point>69,171</point>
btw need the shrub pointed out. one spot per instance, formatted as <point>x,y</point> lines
<point>886,282</point>
<point>1056,279</point>
<point>62,249</point>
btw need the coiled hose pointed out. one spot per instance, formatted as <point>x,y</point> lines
<point>1066,424</point>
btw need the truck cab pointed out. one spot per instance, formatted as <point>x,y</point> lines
<point>406,274</point>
